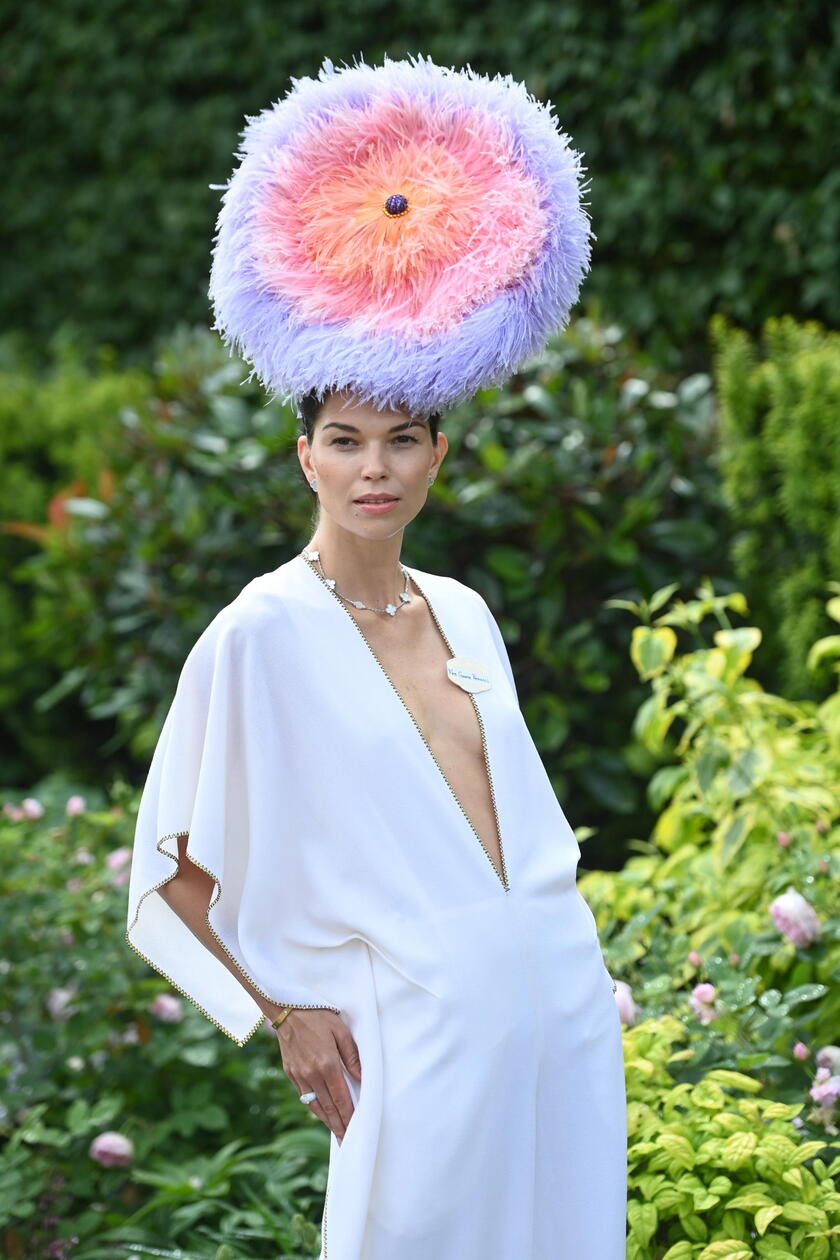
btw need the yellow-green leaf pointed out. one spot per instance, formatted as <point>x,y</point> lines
<point>766,1215</point>
<point>778,1151</point>
<point>694,1227</point>
<point>832,607</point>
<point>751,1201</point>
<point>736,1080</point>
<point>804,1212</point>
<point>726,1249</point>
<point>651,648</point>
<point>806,1151</point>
<point>679,1148</point>
<point>682,1250</point>
<point>643,1219</point>
<point>738,1148</point>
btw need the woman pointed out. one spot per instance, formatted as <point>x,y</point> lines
<point>368,852</point>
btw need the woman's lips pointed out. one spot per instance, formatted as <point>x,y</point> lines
<point>375,509</point>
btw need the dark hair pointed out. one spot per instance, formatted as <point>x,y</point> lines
<point>310,408</point>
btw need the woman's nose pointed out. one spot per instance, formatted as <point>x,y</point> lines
<point>374,463</point>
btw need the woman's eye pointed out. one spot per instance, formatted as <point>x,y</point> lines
<point>401,438</point>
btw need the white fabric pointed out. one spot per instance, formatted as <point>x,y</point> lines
<point>490,1123</point>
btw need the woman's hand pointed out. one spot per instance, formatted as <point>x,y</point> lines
<point>312,1047</point>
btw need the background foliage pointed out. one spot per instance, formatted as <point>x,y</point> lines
<point>779,403</point>
<point>585,477</point>
<point>651,463</point>
<point>592,474</point>
<point>728,1155</point>
<point>705,129</point>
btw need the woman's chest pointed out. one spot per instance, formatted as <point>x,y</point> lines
<point>415,663</point>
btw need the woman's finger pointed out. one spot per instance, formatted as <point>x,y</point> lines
<point>334,1097</point>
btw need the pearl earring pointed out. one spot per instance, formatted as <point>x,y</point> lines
<point>431,481</point>
<point>314,484</point>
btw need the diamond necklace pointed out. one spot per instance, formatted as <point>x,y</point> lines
<point>391,609</point>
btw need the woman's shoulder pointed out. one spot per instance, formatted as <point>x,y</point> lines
<point>262,606</point>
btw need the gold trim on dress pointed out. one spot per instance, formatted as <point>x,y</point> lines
<point>503,878</point>
<point>277,1001</point>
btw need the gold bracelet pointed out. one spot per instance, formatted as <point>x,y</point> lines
<point>277,1022</point>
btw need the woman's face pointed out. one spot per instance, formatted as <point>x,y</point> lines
<point>359,451</point>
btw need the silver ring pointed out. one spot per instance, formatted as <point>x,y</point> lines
<point>308,1098</point>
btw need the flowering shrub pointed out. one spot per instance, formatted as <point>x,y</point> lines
<point>723,939</point>
<point>112,1133</point>
<point>716,1170</point>
<point>728,918</point>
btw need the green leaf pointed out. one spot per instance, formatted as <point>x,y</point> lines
<point>736,1080</point>
<point>694,1227</point>
<point>643,1219</point>
<point>651,648</point>
<point>809,1215</point>
<point>679,1149</point>
<point>726,1249</point>
<point>738,1148</point>
<point>682,1250</point>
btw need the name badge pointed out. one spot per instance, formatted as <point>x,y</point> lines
<point>468,674</point>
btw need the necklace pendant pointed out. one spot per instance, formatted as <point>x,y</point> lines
<point>405,597</point>
<point>389,608</point>
<point>357,603</point>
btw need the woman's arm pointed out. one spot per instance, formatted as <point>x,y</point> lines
<point>313,1043</point>
<point>189,893</point>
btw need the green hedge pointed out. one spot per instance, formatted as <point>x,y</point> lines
<point>780,463</point>
<point>704,128</point>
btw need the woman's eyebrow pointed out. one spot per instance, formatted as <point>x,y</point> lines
<point>351,428</point>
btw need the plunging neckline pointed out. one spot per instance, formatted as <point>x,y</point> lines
<point>502,878</point>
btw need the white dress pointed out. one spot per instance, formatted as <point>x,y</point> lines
<point>490,1121</point>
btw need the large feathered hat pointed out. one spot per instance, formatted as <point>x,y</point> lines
<point>406,231</point>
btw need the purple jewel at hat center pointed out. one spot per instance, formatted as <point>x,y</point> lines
<point>396,205</point>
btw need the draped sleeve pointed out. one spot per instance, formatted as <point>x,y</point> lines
<point>215,777</point>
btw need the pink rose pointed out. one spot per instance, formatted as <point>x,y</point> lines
<point>628,1011</point>
<point>783,838</point>
<point>826,1088</point>
<point>694,958</point>
<point>111,1149</point>
<point>167,1007</point>
<point>796,918</point>
<point>700,1000</point>
<point>117,858</point>
<point>800,1050</point>
<point>83,857</point>
<point>74,884</point>
<point>32,808</point>
<point>121,877</point>
<point>75,805</point>
<point>828,1057</point>
<point>10,810</point>
<point>734,959</point>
